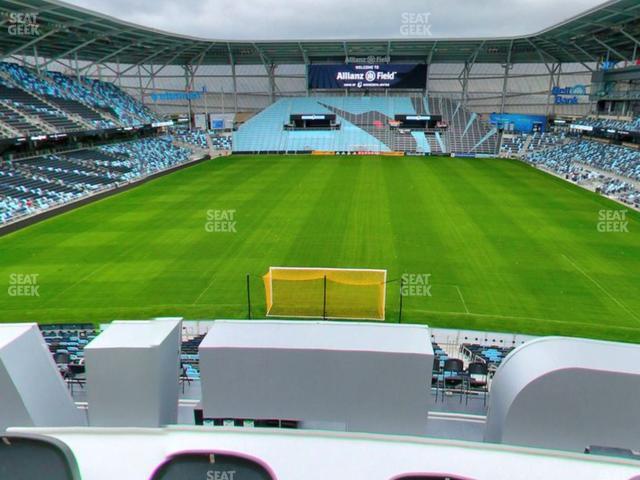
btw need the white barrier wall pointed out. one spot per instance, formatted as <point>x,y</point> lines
<point>443,336</point>
<point>567,393</point>
<point>327,375</point>
<point>447,336</point>
<point>134,454</point>
<point>132,374</point>
<point>32,391</point>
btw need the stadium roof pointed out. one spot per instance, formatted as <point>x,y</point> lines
<point>66,31</point>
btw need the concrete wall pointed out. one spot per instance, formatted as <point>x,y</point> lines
<point>567,393</point>
<point>367,391</point>
<point>32,391</point>
<point>132,374</point>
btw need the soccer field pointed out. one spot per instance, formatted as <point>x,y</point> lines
<point>504,247</point>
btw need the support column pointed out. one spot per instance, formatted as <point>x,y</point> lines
<point>553,82</point>
<point>153,78</point>
<point>35,59</point>
<point>140,84</point>
<point>427,77</point>
<point>505,79</point>
<point>429,63</point>
<point>272,83</point>
<point>235,87</point>
<point>306,77</point>
<point>557,83</point>
<point>465,84</point>
<point>75,55</point>
<point>186,89</point>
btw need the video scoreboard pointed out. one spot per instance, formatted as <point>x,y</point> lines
<point>419,122</point>
<point>363,76</point>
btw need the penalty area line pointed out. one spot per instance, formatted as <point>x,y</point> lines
<point>195,302</point>
<point>597,284</point>
<point>464,304</point>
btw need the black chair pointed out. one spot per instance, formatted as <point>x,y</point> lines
<point>61,358</point>
<point>74,374</point>
<point>477,380</point>
<point>184,376</point>
<point>453,377</point>
<point>77,369</point>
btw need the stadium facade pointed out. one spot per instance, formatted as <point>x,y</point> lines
<point>510,74</point>
<point>87,108</point>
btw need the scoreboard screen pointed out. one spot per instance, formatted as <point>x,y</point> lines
<point>419,121</point>
<point>361,76</point>
<point>312,120</point>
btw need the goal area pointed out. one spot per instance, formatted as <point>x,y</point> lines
<point>334,293</point>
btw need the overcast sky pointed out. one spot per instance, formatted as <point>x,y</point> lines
<point>306,19</point>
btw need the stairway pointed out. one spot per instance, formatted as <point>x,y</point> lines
<point>376,124</point>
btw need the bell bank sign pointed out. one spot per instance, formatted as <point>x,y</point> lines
<point>568,95</point>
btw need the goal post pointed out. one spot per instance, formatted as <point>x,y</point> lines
<point>334,293</point>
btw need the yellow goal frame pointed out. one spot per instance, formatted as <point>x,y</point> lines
<point>329,293</point>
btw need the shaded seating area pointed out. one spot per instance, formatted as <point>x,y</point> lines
<point>197,138</point>
<point>451,377</point>
<point>222,142</point>
<point>34,184</point>
<point>128,110</point>
<point>616,159</point>
<point>608,169</point>
<point>68,342</point>
<point>491,355</point>
<point>523,143</point>
<point>17,121</point>
<point>631,126</point>
<point>63,103</point>
<point>33,106</point>
<point>190,360</point>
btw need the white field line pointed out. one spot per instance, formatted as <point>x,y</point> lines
<point>515,317</point>
<point>78,282</point>
<point>213,277</point>
<point>597,284</point>
<point>462,298</point>
<point>92,273</point>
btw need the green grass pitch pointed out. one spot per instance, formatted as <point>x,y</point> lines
<point>506,247</point>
